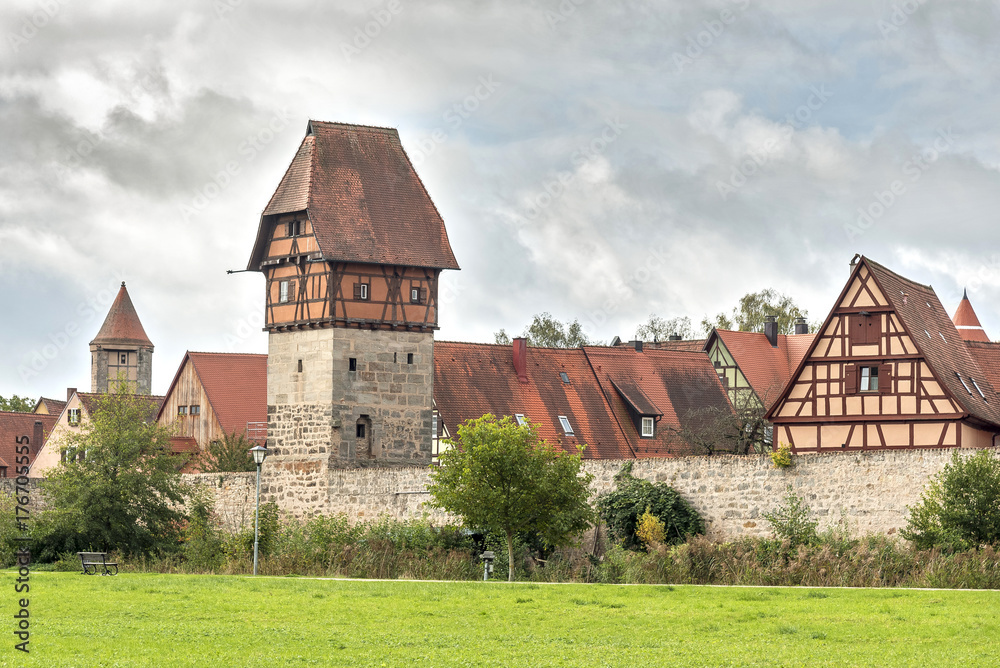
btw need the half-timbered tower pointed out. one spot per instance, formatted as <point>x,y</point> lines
<point>121,350</point>
<point>351,247</point>
<point>889,369</point>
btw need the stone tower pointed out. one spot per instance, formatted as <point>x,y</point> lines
<point>351,247</point>
<point>121,350</point>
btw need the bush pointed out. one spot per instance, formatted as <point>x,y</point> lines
<point>202,542</point>
<point>650,530</point>
<point>960,508</point>
<point>622,508</point>
<point>791,521</point>
<point>782,457</point>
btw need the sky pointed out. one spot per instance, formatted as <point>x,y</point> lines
<point>598,161</point>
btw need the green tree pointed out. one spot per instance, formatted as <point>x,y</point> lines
<point>501,477</point>
<point>231,454</point>
<point>547,332</point>
<point>791,520</point>
<point>118,486</point>
<point>17,404</point>
<point>749,315</point>
<point>960,508</point>
<point>658,329</point>
<point>622,510</point>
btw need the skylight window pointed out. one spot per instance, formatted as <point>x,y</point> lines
<point>521,420</point>
<point>565,378</point>
<point>978,389</point>
<point>962,380</point>
<point>927,333</point>
<point>566,426</point>
<point>942,337</point>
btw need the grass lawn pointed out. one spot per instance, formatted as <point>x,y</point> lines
<point>221,621</point>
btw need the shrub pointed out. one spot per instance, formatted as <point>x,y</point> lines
<point>622,508</point>
<point>960,508</point>
<point>202,543</point>
<point>650,530</point>
<point>782,457</point>
<point>791,521</point>
<point>230,454</point>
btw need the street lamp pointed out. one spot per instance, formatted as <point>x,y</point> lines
<point>487,558</point>
<point>259,453</point>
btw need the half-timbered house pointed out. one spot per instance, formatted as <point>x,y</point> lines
<point>889,369</point>
<point>351,248</point>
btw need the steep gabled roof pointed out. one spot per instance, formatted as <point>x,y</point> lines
<point>966,321</point>
<point>122,326</point>
<point>765,367</point>
<point>235,384</point>
<point>472,379</point>
<point>91,400</point>
<point>363,198</point>
<point>937,338</point>
<point>51,406</point>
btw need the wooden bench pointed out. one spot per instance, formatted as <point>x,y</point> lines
<point>91,560</point>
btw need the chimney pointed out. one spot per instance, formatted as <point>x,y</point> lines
<point>771,330</point>
<point>521,359</point>
<point>637,344</point>
<point>70,391</point>
<point>36,439</point>
<point>674,337</point>
<point>801,326</point>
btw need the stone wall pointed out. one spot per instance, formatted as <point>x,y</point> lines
<point>869,492</point>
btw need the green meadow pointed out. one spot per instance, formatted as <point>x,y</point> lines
<point>210,620</point>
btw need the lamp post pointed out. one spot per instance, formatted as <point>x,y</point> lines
<point>259,453</point>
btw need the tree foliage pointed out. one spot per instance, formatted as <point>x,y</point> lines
<point>749,315</point>
<point>622,510</point>
<point>737,429</point>
<point>118,486</point>
<point>658,329</point>
<point>547,332</point>
<point>791,520</point>
<point>17,404</point>
<point>501,477</point>
<point>960,508</point>
<point>231,454</point>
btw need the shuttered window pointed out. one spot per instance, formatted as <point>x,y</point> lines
<point>864,329</point>
<point>361,291</point>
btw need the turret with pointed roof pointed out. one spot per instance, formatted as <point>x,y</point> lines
<point>121,349</point>
<point>966,321</point>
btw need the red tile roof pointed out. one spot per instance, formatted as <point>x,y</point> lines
<point>987,356</point>
<point>122,326</point>
<point>966,321</point>
<point>766,368</point>
<point>472,379</point>
<point>236,386</point>
<point>675,383</point>
<point>16,425</point>
<point>363,197</point>
<point>53,406</point>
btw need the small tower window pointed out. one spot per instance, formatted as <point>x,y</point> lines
<point>415,295</point>
<point>300,366</point>
<point>362,291</point>
<point>283,292</point>
<point>352,364</point>
<point>359,430</point>
<point>123,358</point>
<point>294,228</point>
<point>409,358</point>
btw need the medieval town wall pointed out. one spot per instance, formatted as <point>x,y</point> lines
<point>867,492</point>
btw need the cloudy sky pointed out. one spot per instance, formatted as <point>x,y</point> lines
<point>600,161</point>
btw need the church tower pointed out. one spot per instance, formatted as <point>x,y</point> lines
<point>121,350</point>
<point>351,247</point>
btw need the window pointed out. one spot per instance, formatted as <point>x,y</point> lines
<point>565,378</point>
<point>648,426</point>
<point>521,420</point>
<point>962,381</point>
<point>352,364</point>
<point>294,228</point>
<point>123,358</point>
<point>182,410</point>
<point>195,410</point>
<point>362,291</point>
<point>300,366</point>
<point>869,379</point>
<point>282,292</point>
<point>409,358</point>
<point>359,430</point>
<point>566,426</point>
<point>978,389</point>
<point>434,425</point>
<point>74,416</point>
<point>865,329</point>
<point>415,295</point>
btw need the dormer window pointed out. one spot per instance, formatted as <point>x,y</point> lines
<point>648,427</point>
<point>566,426</point>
